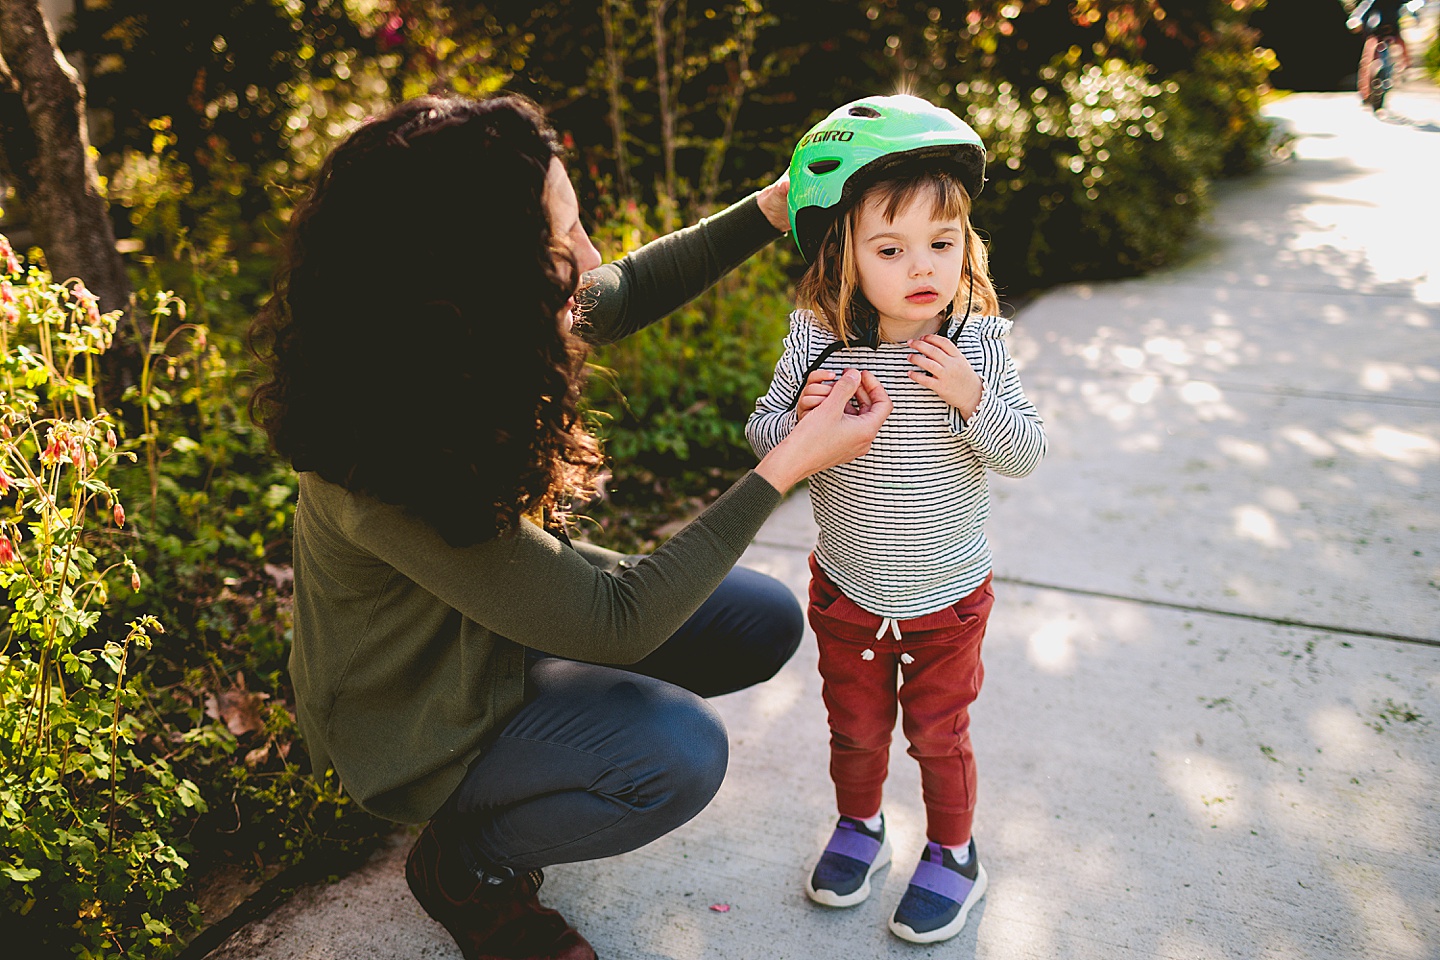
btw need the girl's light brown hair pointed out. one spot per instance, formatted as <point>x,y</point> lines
<point>830,288</point>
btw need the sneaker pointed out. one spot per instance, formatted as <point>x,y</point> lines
<point>939,897</point>
<point>854,853</point>
<point>491,918</point>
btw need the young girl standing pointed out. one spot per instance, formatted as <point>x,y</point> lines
<point>880,195</point>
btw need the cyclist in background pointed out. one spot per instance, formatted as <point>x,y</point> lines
<point>1378,19</point>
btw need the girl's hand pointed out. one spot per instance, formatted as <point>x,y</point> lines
<point>835,432</point>
<point>944,369</point>
<point>818,386</point>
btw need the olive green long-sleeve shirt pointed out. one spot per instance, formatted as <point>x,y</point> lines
<point>409,653</point>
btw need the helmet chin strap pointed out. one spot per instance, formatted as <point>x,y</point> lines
<point>868,328</point>
<point>969,296</point>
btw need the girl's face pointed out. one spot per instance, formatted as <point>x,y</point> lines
<point>566,228</point>
<point>908,268</point>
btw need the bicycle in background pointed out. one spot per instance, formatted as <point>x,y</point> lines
<point>1379,21</point>
<point>1382,73</point>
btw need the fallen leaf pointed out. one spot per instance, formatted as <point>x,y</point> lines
<point>282,575</point>
<point>238,708</point>
<point>720,907</point>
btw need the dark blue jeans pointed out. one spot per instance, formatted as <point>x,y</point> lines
<point>603,760</point>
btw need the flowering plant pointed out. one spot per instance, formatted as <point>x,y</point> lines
<point>82,789</point>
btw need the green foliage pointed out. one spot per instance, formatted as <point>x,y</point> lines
<point>87,803</point>
<point>1097,170</point>
<point>682,107</point>
<point>193,234</point>
<point>678,107</point>
<point>229,73</point>
<point>105,829</point>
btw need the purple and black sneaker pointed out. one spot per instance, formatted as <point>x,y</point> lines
<point>854,853</point>
<point>939,897</point>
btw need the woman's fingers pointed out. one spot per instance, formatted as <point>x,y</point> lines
<point>876,399</point>
<point>854,430</point>
<point>832,433</point>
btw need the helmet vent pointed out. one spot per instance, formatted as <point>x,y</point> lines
<point>864,111</point>
<point>823,166</point>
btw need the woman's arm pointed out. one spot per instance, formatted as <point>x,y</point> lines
<point>529,587</point>
<point>620,298</point>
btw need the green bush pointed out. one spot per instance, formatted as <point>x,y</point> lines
<point>127,779</point>
<point>88,797</point>
<point>1098,171</point>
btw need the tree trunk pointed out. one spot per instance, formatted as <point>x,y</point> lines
<point>614,74</point>
<point>45,152</point>
<point>669,199</point>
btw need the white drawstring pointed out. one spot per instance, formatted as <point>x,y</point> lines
<point>893,625</point>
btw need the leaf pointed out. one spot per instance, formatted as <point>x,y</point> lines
<point>189,794</point>
<point>22,874</point>
<point>238,708</point>
<point>283,575</point>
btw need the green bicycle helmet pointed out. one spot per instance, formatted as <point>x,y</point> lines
<point>856,144</point>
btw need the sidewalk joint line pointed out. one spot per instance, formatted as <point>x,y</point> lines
<point>1176,380</point>
<point>1217,612</point>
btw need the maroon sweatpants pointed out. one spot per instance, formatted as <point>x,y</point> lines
<point>937,690</point>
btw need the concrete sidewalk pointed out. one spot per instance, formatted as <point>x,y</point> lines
<point>1213,672</point>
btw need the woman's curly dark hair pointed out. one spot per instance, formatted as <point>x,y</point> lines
<point>413,339</point>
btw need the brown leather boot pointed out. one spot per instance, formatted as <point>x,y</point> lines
<point>490,921</point>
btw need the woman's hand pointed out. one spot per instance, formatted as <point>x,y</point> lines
<point>834,431</point>
<point>944,369</point>
<point>774,201</point>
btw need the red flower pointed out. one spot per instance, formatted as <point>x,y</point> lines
<point>134,580</point>
<point>4,482</point>
<point>392,34</point>
<point>7,552</point>
<point>7,253</point>
<point>119,515</point>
